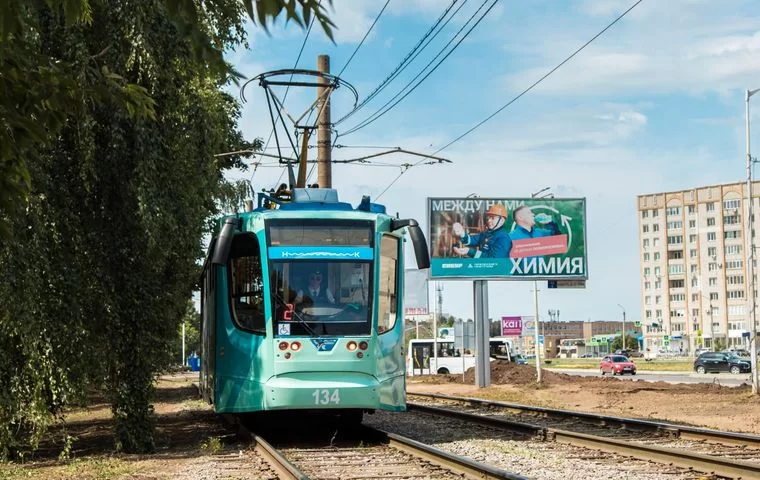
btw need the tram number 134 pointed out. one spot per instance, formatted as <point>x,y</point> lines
<point>325,396</point>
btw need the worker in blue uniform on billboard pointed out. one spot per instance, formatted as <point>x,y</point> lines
<point>493,242</point>
<point>525,224</point>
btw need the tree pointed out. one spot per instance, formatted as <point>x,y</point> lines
<point>110,117</point>
<point>630,343</point>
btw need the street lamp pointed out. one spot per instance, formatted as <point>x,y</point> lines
<point>751,251</point>
<point>535,297</point>
<point>623,309</point>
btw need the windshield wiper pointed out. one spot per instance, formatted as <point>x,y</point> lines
<point>297,315</point>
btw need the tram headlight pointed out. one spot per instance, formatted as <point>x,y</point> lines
<point>283,345</point>
<point>363,345</point>
<point>287,355</point>
<point>359,354</point>
<point>351,346</point>
<point>295,346</point>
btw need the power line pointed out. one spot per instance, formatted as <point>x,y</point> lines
<point>407,59</point>
<point>383,110</point>
<point>539,80</point>
<point>365,37</point>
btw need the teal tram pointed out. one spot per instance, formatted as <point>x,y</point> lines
<point>301,307</point>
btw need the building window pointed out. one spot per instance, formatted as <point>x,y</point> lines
<point>733,249</point>
<point>648,314</point>
<point>656,227</point>
<point>644,213</point>
<point>731,220</point>
<point>693,268</point>
<point>694,297</point>
<point>658,284</point>
<point>645,228</point>
<point>675,239</point>
<point>676,283</point>
<point>655,213</point>
<point>711,236</point>
<point>656,242</point>
<point>675,269</point>
<point>712,266</point>
<point>692,210</point>
<point>648,300</point>
<point>731,204</point>
<point>693,253</point>
<point>673,211</point>
<point>657,271</point>
<point>712,251</point>
<point>694,312</point>
<point>656,256</point>
<point>736,309</point>
<point>658,299</point>
<point>675,254</point>
<point>692,238</point>
<point>735,280</point>
<point>678,297</point>
<point>714,296</point>
<point>694,282</point>
<point>647,285</point>
<point>711,222</point>
<point>658,313</point>
<point>734,264</point>
<point>646,257</point>
<point>646,271</point>
<point>692,224</point>
<point>735,294</point>
<point>646,242</point>
<point>710,207</point>
<point>712,281</point>
<point>675,225</point>
<point>731,234</point>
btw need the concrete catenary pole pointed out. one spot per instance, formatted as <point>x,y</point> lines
<point>324,147</point>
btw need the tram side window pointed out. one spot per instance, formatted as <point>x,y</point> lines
<point>247,283</point>
<point>387,288</point>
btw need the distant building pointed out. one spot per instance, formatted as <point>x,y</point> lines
<point>693,252</point>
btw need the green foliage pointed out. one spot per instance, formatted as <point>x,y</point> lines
<point>212,445</point>
<point>110,116</point>
<point>720,344</point>
<point>192,322</point>
<point>630,343</point>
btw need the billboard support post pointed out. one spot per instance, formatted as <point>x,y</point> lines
<point>482,330</point>
<point>535,322</point>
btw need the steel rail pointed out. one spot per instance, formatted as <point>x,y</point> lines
<point>462,465</point>
<point>283,467</point>
<point>681,431</point>
<point>682,458</point>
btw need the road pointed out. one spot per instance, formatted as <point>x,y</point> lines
<point>725,379</point>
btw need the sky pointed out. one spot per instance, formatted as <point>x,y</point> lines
<point>654,104</point>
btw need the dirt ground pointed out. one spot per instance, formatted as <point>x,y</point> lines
<point>705,404</point>
<point>191,440</point>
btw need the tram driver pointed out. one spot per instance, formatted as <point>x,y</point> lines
<point>315,294</point>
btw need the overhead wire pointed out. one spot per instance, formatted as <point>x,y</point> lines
<point>567,59</point>
<point>534,84</point>
<point>399,68</point>
<point>365,37</point>
<point>383,110</point>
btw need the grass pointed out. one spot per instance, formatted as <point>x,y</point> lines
<point>94,468</point>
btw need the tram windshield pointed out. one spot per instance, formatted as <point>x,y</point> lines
<point>321,298</point>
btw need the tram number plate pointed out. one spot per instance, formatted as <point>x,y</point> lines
<point>325,396</point>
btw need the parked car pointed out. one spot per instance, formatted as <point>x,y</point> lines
<point>587,355</point>
<point>520,359</point>
<point>740,352</point>
<point>721,362</point>
<point>617,365</point>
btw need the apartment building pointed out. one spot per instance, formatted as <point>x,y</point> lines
<point>693,255</point>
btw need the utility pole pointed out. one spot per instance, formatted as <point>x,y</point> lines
<point>324,140</point>
<point>751,253</point>
<point>623,308</point>
<point>538,194</point>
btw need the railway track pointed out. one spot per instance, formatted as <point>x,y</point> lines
<point>733,455</point>
<point>366,453</point>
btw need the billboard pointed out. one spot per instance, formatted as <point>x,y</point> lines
<point>415,292</point>
<point>508,238</point>
<point>511,326</point>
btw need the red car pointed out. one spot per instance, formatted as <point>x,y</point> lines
<point>617,365</point>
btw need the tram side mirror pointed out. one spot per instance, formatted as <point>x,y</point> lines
<point>418,240</point>
<point>224,242</point>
